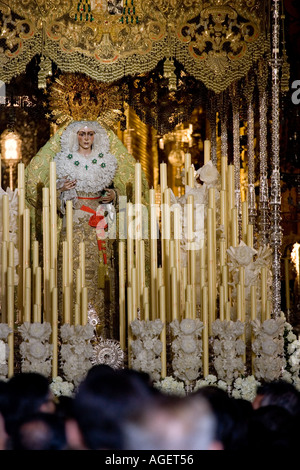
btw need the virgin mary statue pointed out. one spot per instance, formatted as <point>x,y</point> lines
<point>94,169</point>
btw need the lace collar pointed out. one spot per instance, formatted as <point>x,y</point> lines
<point>94,172</point>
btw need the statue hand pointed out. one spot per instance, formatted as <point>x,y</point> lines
<point>68,184</point>
<point>109,196</point>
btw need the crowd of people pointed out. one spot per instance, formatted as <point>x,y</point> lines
<point>122,410</point>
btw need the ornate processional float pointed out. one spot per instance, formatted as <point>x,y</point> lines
<point>198,275</point>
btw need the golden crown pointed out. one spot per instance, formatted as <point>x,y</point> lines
<point>78,97</point>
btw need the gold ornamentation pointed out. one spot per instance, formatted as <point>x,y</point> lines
<point>77,97</point>
<point>217,41</point>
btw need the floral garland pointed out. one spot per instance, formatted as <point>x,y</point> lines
<point>228,349</point>
<point>146,348</point>
<point>252,261</point>
<point>4,350</point>
<point>59,387</point>
<point>292,356</point>
<point>210,380</point>
<point>35,349</point>
<point>241,387</point>
<point>268,347</point>
<point>187,349</point>
<point>170,386</point>
<point>76,351</point>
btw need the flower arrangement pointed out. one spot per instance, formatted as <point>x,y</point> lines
<point>245,388</point>
<point>252,261</point>
<point>187,349</point>
<point>4,332</point>
<point>60,387</point>
<point>170,386</point>
<point>35,349</point>
<point>146,348</point>
<point>292,356</point>
<point>76,351</point>
<point>268,348</point>
<point>228,349</point>
<point>209,380</point>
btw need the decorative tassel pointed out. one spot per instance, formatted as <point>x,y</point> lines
<point>44,72</point>
<point>169,72</point>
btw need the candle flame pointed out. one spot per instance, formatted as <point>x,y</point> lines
<point>296,257</point>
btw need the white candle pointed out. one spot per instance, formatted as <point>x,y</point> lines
<point>207,147</point>
<point>53,220</point>
<point>82,262</point>
<point>84,305</point>
<point>153,261</point>
<point>253,302</point>
<point>138,183</point>
<point>162,313</point>
<point>250,235</point>
<point>205,331</point>
<point>187,164</point>
<point>10,321</point>
<point>263,293</point>
<point>222,304</point>
<point>163,179</point>
<point>5,218</point>
<point>4,265</point>
<point>69,237</point>
<point>223,173</point>
<point>122,304</point>
<point>174,293</point>
<point>234,227</point>
<point>244,221</point>
<point>21,175</point>
<point>287,283</point>
<point>67,305</point>
<point>210,267</point>
<point>54,332</point>
<point>27,311</point>
<point>46,253</point>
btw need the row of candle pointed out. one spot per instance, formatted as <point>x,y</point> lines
<point>173,287</point>
<point>37,290</point>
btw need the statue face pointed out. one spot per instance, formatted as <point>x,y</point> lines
<point>85,139</point>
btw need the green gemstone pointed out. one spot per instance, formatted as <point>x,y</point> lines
<point>94,161</point>
<point>70,156</point>
<point>100,155</point>
<point>103,165</point>
<point>76,163</point>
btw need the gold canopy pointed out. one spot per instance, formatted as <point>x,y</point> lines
<point>216,41</point>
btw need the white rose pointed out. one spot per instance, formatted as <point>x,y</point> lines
<point>208,173</point>
<point>242,254</point>
<point>187,326</point>
<point>291,337</point>
<point>188,345</point>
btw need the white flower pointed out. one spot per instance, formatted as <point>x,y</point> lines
<point>208,173</point>
<point>37,350</point>
<point>291,337</point>
<point>2,352</point>
<point>4,330</point>
<point>273,326</point>
<point>188,344</point>
<point>170,386</point>
<point>187,326</point>
<point>60,387</point>
<point>241,254</point>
